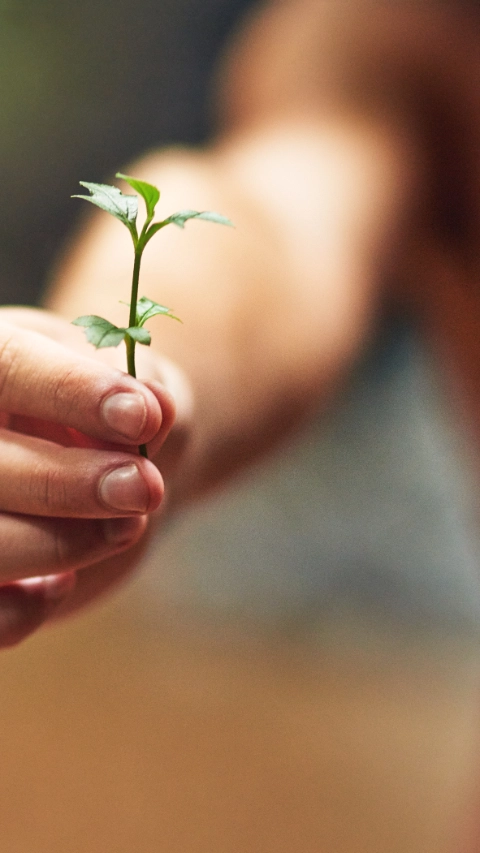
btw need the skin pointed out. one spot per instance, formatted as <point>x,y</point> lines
<point>62,436</point>
<point>325,162</point>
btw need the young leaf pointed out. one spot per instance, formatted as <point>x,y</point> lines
<point>149,193</point>
<point>146,309</point>
<point>100,332</point>
<point>111,199</point>
<point>183,216</point>
<point>141,336</point>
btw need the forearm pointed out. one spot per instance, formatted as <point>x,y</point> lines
<point>273,311</point>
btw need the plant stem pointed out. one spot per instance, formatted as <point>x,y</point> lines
<point>129,342</point>
<point>130,345</point>
<point>132,320</point>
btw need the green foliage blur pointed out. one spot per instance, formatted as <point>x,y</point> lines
<point>84,88</point>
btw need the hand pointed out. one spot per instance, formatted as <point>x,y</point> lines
<point>73,490</point>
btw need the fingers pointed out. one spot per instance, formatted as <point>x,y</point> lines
<point>70,498</point>
<point>25,605</point>
<point>33,546</point>
<point>42,478</point>
<point>57,596</point>
<point>42,379</point>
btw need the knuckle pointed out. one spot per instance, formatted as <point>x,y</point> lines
<point>60,390</point>
<point>55,493</point>
<point>64,392</point>
<point>47,489</point>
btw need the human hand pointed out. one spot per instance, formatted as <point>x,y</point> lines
<point>73,491</point>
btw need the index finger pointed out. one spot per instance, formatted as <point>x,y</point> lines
<point>42,379</point>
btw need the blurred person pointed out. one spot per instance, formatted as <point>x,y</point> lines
<point>347,156</point>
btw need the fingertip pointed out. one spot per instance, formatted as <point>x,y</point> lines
<point>55,589</point>
<point>133,489</point>
<point>167,404</point>
<point>171,412</point>
<point>155,484</point>
<point>20,614</point>
<point>27,604</point>
<point>132,415</point>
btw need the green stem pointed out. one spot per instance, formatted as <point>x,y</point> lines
<point>132,321</point>
<point>129,342</point>
<point>130,345</point>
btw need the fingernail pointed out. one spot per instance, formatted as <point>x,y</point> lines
<point>126,413</point>
<point>122,531</point>
<point>125,489</point>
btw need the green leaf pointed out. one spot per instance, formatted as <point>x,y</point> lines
<point>141,336</point>
<point>111,199</point>
<point>211,216</point>
<point>146,309</point>
<point>100,332</point>
<point>149,193</point>
<point>183,216</point>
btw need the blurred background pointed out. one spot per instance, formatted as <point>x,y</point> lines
<point>296,668</point>
<point>84,88</point>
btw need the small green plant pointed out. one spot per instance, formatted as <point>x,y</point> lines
<point>100,332</point>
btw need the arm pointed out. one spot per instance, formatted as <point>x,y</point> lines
<point>347,157</point>
<point>334,177</point>
<point>275,311</point>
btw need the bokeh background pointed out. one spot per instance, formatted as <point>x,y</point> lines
<point>296,667</point>
<point>85,87</point>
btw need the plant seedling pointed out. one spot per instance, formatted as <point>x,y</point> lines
<point>100,332</point>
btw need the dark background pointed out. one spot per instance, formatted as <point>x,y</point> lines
<point>84,87</point>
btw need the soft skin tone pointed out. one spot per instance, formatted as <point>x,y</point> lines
<point>329,173</point>
<point>72,489</point>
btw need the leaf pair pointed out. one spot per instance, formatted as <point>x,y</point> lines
<point>125,207</point>
<point>102,333</point>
